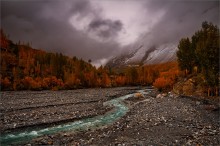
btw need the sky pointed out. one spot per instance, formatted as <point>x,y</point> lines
<point>101,29</point>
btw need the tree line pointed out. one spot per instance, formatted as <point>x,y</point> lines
<point>25,68</point>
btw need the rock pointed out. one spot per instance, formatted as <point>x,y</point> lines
<point>50,142</point>
<point>138,95</point>
<point>147,100</point>
<point>14,125</point>
<point>43,142</point>
<point>65,134</point>
<point>164,94</point>
<point>163,119</point>
<point>159,96</point>
<point>189,142</point>
<point>197,103</point>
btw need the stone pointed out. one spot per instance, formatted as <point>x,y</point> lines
<point>50,142</point>
<point>197,103</point>
<point>138,95</point>
<point>164,94</point>
<point>159,96</point>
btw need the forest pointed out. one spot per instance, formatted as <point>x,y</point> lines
<point>25,68</point>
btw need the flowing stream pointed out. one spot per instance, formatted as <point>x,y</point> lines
<point>118,111</point>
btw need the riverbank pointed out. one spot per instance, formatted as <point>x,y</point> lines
<point>152,119</point>
<point>25,109</point>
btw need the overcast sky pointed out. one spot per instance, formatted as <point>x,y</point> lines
<point>100,29</point>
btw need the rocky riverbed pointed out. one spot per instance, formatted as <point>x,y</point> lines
<point>153,118</point>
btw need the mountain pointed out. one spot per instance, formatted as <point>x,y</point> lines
<point>145,55</point>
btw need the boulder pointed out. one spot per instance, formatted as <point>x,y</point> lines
<point>185,87</point>
<point>138,95</point>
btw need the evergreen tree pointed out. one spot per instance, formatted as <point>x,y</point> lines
<point>202,52</point>
<point>185,55</point>
<point>207,50</point>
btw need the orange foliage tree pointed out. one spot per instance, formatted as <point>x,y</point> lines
<point>163,83</point>
<point>120,80</point>
<point>30,84</point>
<point>167,77</point>
<point>5,84</point>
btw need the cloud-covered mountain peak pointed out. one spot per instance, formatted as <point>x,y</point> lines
<point>145,55</point>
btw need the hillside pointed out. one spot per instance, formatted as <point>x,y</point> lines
<point>23,67</point>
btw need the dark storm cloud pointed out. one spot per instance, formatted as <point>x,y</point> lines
<point>181,18</point>
<point>45,24</point>
<point>105,28</point>
<point>82,6</point>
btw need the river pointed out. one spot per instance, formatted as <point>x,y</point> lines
<point>119,110</point>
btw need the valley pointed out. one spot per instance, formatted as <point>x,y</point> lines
<point>112,72</point>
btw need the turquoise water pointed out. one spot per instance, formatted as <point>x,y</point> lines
<point>119,110</point>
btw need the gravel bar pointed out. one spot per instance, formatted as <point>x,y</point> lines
<point>152,120</point>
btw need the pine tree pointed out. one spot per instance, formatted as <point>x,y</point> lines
<point>203,53</point>
<point>185,55</point>
<point>207,50</point>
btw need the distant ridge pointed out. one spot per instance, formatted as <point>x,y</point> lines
<point>145,55</point>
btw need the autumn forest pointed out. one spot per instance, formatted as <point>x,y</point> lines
<point>25,68</point>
